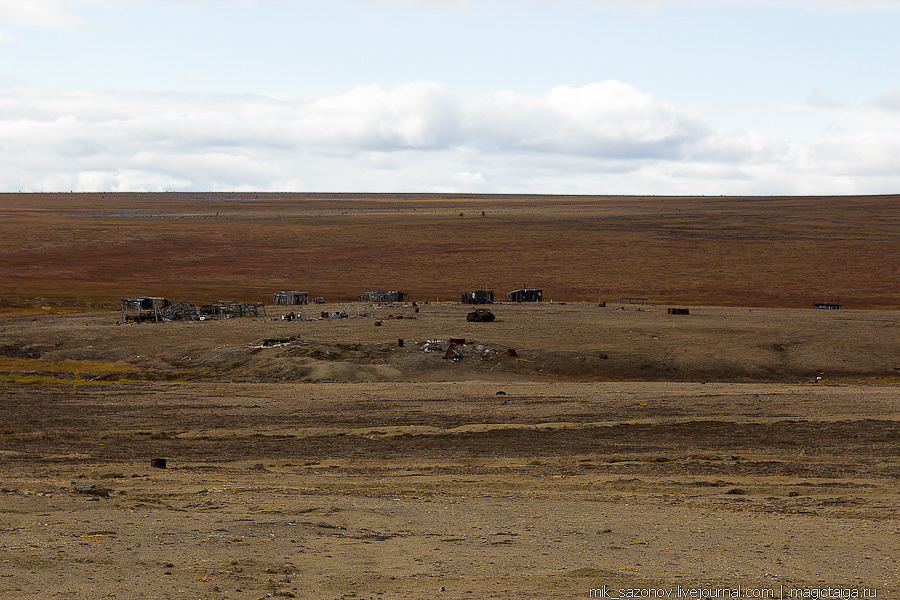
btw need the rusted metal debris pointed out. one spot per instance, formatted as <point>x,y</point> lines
<point>452,353</point>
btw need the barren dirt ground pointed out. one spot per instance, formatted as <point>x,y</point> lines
<point>319,459</point>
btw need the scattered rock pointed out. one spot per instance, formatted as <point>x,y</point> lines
<point>92,489</point>
<point>736,491</point>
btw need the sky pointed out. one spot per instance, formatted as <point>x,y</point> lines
<point>682,97</point>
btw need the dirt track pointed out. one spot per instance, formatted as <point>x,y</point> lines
<point>420,475</point>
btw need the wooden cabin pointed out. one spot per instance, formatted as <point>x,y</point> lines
<point>525,295</point>
<point>290,298</point>
<point>144,308</point>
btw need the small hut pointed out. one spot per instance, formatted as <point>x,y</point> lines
<point>378,297</point>
<point>144,308</point>
<point>290,298</point>
<point>828,305</point>
<point>478,297</point>
<point>525,295</point>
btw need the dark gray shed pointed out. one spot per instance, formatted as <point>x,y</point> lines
<point>478,297</point>
<point>525,295</point>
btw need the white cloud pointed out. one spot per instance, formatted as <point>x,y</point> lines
<point>605,137</point>
<point>601,119</point>
<point>52,14</point>
<point>890,101</point>
<point>820,99</point>
<point>6,39</point>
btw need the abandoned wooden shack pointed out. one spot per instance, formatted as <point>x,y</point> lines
<point>229,309</point>
<point>290,297</point>
<point>828,305</point>
<point>478,297</point>
<point>383,297</point>
<point>525,295</point>
<point>143,308</point>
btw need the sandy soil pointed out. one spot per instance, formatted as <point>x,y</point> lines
<point>330,463</point>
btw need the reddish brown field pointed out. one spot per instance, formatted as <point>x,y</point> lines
<point>84,250</point>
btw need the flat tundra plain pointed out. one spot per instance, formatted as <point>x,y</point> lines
<point>733,448</point>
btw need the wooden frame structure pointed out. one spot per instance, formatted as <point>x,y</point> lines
<point>229,309</point>
<point>290,298</point>
<point>144,308</point>
<point>378,297</point>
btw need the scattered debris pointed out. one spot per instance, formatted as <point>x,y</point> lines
<point>452,353</point>
<point>158,463</point>
<point>293,316</point>
<point>512,353</point>
<point>274,342</point>
<point>379,297</point>
<point>432,346</point>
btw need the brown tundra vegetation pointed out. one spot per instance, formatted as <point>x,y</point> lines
<point>749,447</point>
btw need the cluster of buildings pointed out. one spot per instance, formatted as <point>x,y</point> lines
<point>153,308</point>
<point>393,296</point>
